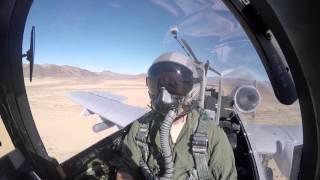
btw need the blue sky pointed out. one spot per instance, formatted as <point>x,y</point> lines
<point>125,37</point>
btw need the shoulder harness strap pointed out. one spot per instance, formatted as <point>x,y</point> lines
<point>200,146</point>
<point>141,139</point>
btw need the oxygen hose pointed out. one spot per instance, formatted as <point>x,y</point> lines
<point>165,145</point>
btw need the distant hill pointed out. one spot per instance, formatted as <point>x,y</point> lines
<point>65,71</point>
<point>230,82</point>
<point>114,75</point>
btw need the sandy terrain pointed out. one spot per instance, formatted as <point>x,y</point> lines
<point>6,145</point>
<point>65,132</point>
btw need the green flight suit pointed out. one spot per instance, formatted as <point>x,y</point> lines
<point>221,161</point>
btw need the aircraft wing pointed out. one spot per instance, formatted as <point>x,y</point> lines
<point>283,143</point>
<point>109,107</point>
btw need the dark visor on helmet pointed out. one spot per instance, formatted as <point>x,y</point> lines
<point>177,79</point>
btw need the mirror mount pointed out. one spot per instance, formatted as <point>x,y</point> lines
<point>188,50</point>
<point>30,53</point>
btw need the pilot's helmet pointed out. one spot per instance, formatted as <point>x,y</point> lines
<point>176,73</point>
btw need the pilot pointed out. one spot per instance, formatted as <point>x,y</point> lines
<point>176,139</point>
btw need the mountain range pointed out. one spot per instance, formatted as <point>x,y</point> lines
<point>66,71</point>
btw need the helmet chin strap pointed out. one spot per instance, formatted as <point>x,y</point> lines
<point>192,97</point>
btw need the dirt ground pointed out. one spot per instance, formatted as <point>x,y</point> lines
<point>6,143</point>
<point>65,132</point>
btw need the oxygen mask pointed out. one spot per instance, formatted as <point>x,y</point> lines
<point>164,102</point>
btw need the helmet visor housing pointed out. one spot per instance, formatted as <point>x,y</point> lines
<point>176,78</point>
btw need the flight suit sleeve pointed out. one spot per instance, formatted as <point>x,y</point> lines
<point>221,161</point>
<point>130,152</point>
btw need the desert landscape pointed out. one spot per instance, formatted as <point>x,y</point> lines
<point>63,129</point>
<point>65,132</point>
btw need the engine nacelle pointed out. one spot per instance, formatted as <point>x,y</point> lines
<point>247,98</point>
